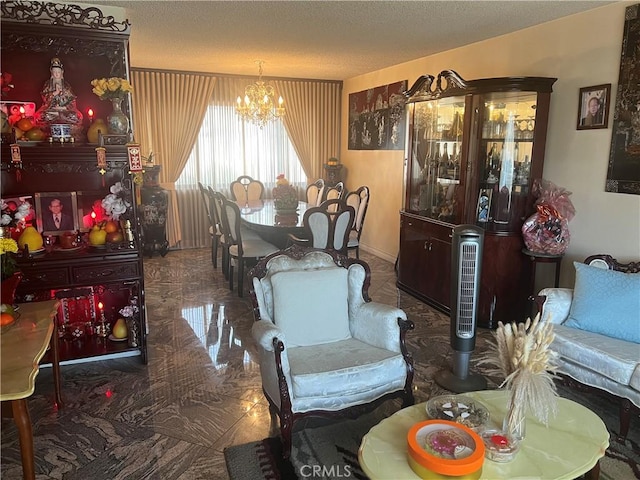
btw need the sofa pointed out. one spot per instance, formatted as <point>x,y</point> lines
<point>597,330</point>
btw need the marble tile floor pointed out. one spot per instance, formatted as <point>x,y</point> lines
<point>199,393</point>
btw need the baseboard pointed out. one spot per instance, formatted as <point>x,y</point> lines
<point>378,253</point>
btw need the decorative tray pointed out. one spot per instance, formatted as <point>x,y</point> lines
<point>459,409</point>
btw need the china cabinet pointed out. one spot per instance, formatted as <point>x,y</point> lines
<point>473,150</point>
<point>93,282</point>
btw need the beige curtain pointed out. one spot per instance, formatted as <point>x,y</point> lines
<point>313,121</point>
<point>168,109</point>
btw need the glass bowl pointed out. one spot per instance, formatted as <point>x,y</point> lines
<point>460,409</point>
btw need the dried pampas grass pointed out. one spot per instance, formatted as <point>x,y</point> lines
<point>523,357</point>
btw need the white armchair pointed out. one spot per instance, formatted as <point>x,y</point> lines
<point>323,345</point>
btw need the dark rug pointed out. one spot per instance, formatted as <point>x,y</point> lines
<point>330,451</point>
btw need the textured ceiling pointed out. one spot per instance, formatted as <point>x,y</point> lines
<point>318,39</point>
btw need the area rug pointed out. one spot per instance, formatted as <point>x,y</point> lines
<point>331,451</point>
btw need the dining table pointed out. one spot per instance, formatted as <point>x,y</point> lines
<point>273,226</point>
<point>23,343</point>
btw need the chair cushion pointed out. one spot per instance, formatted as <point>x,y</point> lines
<point>611,357</point>
<point>310,306</point>
<point>343,368</point>
<point>606,302</point>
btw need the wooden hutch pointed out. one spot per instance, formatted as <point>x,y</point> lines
<point>473,150</point>
<point>91,45</point>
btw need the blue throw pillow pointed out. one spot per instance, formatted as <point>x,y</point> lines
<point>606,302</point>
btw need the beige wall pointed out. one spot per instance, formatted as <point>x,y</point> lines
<point>580,50</point>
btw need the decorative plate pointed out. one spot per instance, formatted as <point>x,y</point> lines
<point>459,409</point>
<point>114,339</point>
<point>72,249</point>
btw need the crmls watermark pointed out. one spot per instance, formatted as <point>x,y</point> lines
<point>322,471</point>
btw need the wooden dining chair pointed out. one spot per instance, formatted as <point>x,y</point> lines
<point>327,226</point>
<point>334,193</point>
<point>246,189</point>
<point>315,193</point>
<point>214,228</point>
<point>359,200</point>
<point>241,251</point>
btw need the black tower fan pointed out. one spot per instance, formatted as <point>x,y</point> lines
<point>466,262</point>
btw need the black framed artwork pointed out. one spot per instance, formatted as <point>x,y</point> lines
<point>376,118</point>
<point>593,111</point>
<point>623,173</point>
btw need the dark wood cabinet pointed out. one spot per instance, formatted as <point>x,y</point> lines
<point>473,150</point>
<point>90,45</point>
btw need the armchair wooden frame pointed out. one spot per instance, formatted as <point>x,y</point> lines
<point>285,413</point>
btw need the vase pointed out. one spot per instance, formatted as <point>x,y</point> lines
<point>154,204</point>
<point>514,422</point>
<point>97,126</point>
<point>118,122</point>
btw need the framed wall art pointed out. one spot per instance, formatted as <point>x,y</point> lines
<point>623,173</point>
<point>57,212</point>
<point>594,107</point>
<point>376,118</point>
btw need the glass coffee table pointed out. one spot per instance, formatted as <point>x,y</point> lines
<point>571,446</point>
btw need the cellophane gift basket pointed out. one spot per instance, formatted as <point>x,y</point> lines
<point>547,230</point>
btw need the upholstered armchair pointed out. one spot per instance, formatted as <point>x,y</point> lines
<point>324,347</point>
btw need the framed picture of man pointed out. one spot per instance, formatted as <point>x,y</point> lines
<point>594,107</point>
<point>57,212</point>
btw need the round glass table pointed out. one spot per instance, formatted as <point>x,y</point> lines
<point>274,227</point>
<point>571,446</point>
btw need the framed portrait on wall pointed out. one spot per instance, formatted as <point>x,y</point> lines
<point>57,212</point>
<point>594,107</point>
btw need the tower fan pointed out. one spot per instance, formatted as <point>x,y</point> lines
<point>466,262</point>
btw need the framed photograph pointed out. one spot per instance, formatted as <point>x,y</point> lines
<point>90,210</point>
<point>594,107</point>
<point>484,205</point>
<point>56,212</point>
<point>14,202</point>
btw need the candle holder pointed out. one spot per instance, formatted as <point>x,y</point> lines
<point>102,329</point>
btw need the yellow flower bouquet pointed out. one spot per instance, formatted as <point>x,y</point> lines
<point>114,87</point>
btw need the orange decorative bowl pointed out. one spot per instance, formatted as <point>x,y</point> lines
<point>440,449</point>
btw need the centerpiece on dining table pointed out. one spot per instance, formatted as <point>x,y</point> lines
<point>285,196</point>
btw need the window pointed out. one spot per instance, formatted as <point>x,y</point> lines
<point>227,147</point>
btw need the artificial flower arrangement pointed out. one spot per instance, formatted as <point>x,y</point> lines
<point>14,215</point>
<point>115,203</point>
<point>285,196</point>
<point>522,354</point>
<point>8,249</point>
<point>114,87</point>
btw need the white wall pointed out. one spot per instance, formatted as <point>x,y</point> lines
<point>581,50</point>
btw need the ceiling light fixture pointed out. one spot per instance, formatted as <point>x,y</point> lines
<point>259,105</point>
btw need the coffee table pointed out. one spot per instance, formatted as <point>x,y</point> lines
<point>571,446</point>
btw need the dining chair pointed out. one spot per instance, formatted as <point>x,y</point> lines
<point>241,251</point>
<point>214,229</point>
<point>327,226</point>
<point>246,189</point>
<point>315,193</point>
<point>359,200</point>
<point>334,193</point>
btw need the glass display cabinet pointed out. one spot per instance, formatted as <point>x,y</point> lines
<point>473,150</point>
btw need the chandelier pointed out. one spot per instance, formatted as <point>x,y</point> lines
<point>259,105</point>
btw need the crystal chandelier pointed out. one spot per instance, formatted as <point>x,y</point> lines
<point>259,106</point>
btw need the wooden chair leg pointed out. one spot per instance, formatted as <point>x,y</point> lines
<point>230,273</point>
<point>240,276</point>
<point>625,419</point>
<point>214,251</point>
